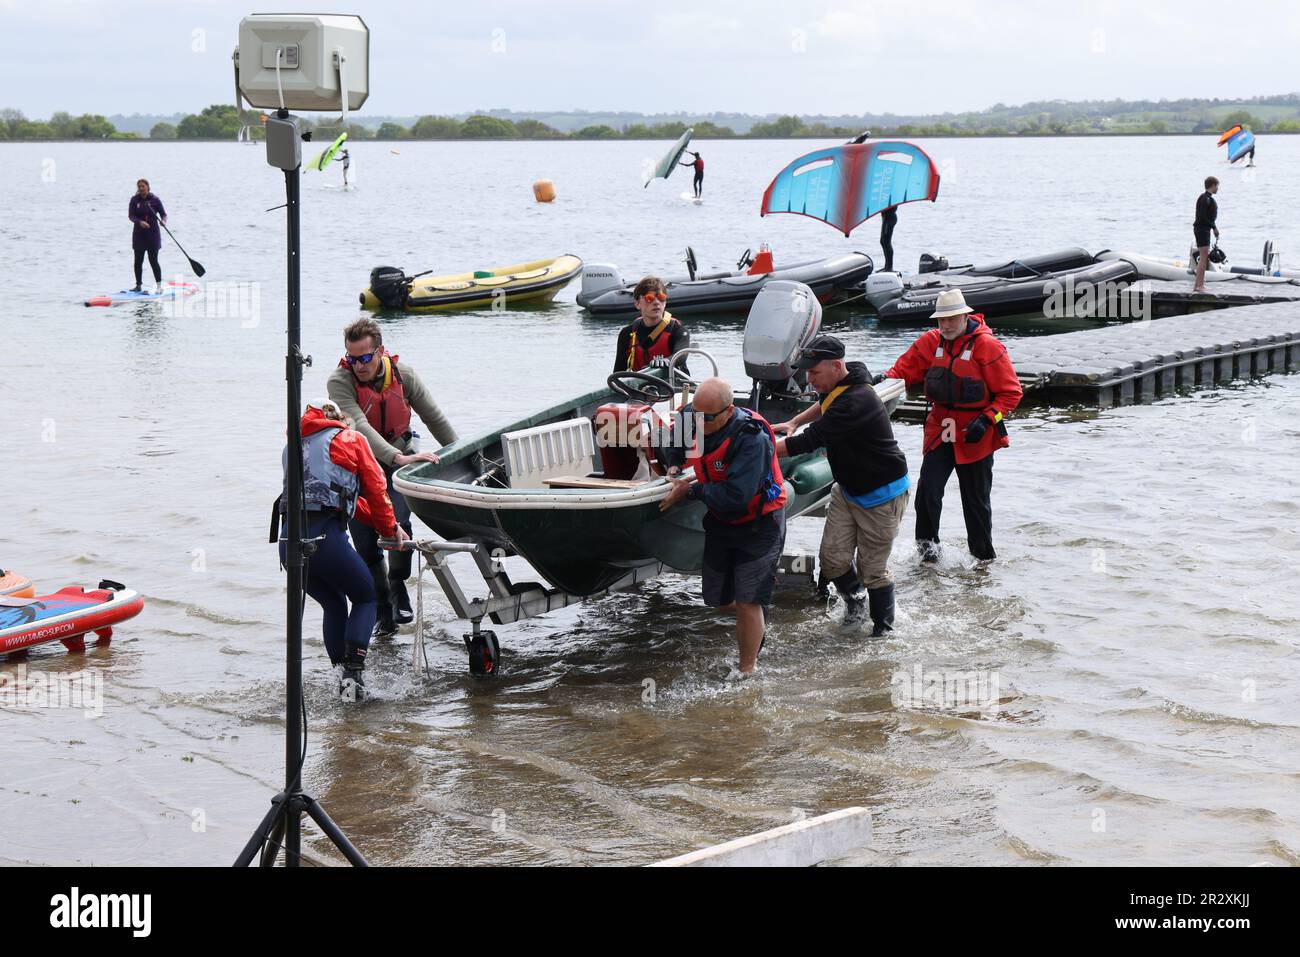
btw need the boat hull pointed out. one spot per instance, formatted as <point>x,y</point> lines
<point>735,292</point>
<point>584,540</point>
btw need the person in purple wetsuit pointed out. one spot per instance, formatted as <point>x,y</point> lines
<point>145,210</point>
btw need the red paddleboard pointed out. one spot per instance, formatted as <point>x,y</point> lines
<point>68,616</point>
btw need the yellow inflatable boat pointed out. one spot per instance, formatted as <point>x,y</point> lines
<point>539,281</point>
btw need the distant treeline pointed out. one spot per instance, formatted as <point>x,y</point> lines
<point>224,121</point>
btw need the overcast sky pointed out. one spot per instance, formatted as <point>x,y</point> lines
<point>748,56</point>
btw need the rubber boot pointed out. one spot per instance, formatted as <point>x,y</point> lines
<point>157,289</point>
<point>384,625</point>
<point>929,551</point>
<point>352,687</point>
<point>823,587</point>
<point>881,601</point>
<point>136,288</point>
<point>854,595</point>
<point>401,602</point>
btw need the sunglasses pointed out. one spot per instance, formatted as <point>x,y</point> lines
<point>710,416</point>
<point>360,360</point>
<point>652,296</point>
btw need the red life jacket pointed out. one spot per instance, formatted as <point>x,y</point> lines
<point>384,403</point>
<point>638,357</point>
<point>954,380</point>
<point>771,495</point>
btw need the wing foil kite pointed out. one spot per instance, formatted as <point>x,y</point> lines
<point>846,185</point>
<point>664,168</point>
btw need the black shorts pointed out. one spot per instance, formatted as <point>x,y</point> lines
<point>740,561</point>
<point>1202,236</point>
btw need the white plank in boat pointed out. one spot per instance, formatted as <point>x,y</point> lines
<point>577,481</point>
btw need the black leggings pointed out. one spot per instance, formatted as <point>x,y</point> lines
<point>887,222</point>
<point>153,264</point>
<point>699,181</point>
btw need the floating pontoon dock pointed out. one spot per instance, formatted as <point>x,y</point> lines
<point>1142,361</point>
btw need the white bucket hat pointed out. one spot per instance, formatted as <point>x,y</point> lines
<point>951,303</point>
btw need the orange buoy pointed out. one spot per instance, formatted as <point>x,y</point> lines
<point>544,191</point>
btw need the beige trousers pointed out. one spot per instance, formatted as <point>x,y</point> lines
<point>869,532</point>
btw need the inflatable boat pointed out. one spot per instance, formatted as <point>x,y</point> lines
<point>1154,267</point>
<point>998,296</point>
<point>68,616</point>
<point>880,288</point>
<point>15,585</point>
<point>606,293</point>
<point>537,281</point>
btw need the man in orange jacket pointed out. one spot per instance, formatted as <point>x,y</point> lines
<point>971,386</point>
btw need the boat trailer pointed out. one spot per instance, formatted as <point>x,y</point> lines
<point>508,602</point>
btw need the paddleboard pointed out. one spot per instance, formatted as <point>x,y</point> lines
<point>68,616</point>
<point>692,198</point>
<point>171,290</point>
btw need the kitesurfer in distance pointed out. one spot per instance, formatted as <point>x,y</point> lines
<point>379,394</point>
<point>1207,214</point>
<point>654,336</point>
<point>144,211</point>
<point>888,220</point>
<point>738,478</point>
<point>342,482</point>
<point>698,165</point>
<point>870,496</point>
<point>971,386</point>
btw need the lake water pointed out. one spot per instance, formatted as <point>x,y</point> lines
<point>1138,632</point>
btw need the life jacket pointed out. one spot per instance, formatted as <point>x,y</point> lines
<point>713,468</point>
<point>638,357</point>
<point>384,403</point>
<point>957,385</point>
<point>327,486</point>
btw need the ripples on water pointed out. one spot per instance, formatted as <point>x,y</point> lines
<point>1140,621</point>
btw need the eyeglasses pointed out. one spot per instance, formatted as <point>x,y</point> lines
<point>652,296</point>
<point>360,360</point>
<point>710,416</point>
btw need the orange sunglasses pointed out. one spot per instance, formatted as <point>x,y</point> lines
<point>661,296</point>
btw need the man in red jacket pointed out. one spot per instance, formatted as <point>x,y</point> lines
<point>971,385</point>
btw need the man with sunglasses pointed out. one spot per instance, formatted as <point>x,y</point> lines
<point>738,478</point>
<point>378,394</point>
<point>871,485</point>
<point>654,336</point>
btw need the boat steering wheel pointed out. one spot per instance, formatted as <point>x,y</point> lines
<point>746,259</point>
<point>653,389</point>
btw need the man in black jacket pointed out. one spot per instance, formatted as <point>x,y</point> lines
<point>871,483</point>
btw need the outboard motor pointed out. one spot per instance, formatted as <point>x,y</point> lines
<point>598,278</point>
<point>930,263</point>
<point>882,287</point>
<point>390,286</point>
<point>783,320</point>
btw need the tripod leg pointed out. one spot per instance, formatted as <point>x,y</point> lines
<point>324,822</point>
<point>274,821</point>
<point>271,849</point>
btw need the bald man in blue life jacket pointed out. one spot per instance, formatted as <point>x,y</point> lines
<point>732,452</point>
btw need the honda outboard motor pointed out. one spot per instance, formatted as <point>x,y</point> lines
<point>783,320</point>
<point>390,286</point>
<point>930,263</point>
<point>882,287</point>
<point>598,278</point>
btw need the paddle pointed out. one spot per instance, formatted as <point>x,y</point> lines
<point>194,264</point>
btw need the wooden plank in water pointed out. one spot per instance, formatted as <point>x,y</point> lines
<point>801,844</point>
